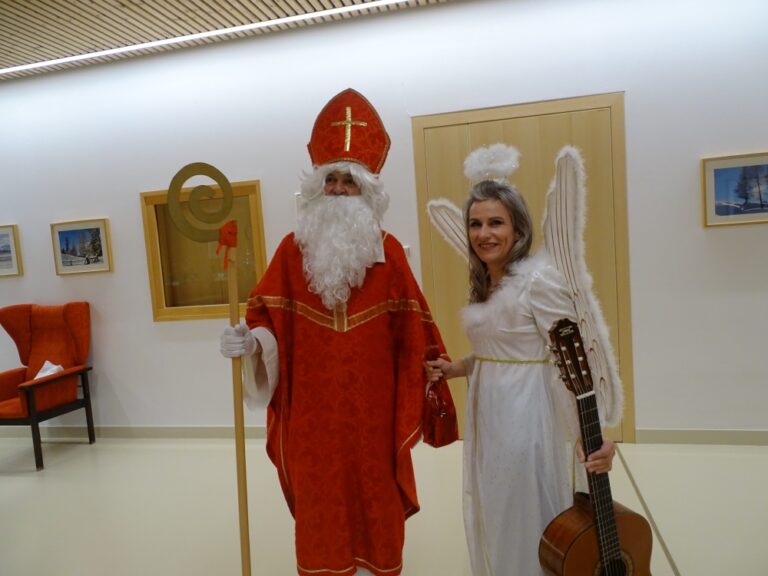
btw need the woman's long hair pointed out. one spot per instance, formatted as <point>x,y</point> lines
<point>510,198</point>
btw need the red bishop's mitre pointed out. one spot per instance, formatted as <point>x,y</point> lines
<point>349,129</point>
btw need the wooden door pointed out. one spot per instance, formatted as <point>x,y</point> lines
<point>594,125</point>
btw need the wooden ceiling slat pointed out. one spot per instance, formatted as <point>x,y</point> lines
<point>33,31</point>
<point>20,50</point>
<point>212,16</point>
<point>255,11</point>
<point>360,4</point>
<point>89,34</point>
<point>16,39</point>
<point>18,26</point>
<point>144,15</point>
<point>190,18</point>
<point>265,15</point>
<point>293,6</point>
<point>97,16</point>
<point>317,6</point>
<point>328,5</point>
<point>46,46</point>
<point>280,10</point>
<point>11,59</point>
<point>265,11</point>
<point>226,17</point>
<point>119,22</point>
<point>306,6</point>
<point>183,16</point>
<point>170,19</point>
<point>233,16</point>
<point>242,9</point>
<point>234,11</point>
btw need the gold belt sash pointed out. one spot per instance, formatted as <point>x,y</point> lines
<point>510,361</point>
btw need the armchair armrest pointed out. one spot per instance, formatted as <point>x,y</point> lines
<point>9,382</point>
<point>46,380</point>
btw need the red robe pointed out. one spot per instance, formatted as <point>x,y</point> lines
<point>347,409</point>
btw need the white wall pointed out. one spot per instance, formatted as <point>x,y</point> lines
<point>85,143</point>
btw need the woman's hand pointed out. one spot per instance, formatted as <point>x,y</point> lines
<point>442,368</point>
<point>599,461</point>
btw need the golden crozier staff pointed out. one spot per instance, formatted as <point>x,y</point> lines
<point>226,235</point>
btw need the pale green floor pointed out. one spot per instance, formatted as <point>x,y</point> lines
<point>169,507</point>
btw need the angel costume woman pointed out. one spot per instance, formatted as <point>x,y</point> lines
<point>521,425</point>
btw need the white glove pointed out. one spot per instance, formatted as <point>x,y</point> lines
<point>238,341</point>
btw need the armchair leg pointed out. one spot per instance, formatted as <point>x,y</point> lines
<point>37,444</point>
<point>36,441</point>
<point>88,410</point>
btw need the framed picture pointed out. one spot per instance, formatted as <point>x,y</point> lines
<point>735,189</point>
<point>10,251</point>
<point>81,246</point>
<point>186,278</point>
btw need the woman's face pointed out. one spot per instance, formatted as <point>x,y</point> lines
<point>491,233</point>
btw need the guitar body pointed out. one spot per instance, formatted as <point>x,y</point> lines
<point>569,545</point>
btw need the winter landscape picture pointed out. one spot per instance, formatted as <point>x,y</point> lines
<point>10,259</point>
<point>741,190</point>
<point>81,246</point>
<point>735,189</point>
<point>6,257</point>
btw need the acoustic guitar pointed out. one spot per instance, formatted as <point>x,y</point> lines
<point>596,536</point>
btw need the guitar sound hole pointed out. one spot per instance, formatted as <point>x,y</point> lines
<point>621,567</point>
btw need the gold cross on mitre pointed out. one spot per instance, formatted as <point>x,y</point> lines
<point>348,123</point>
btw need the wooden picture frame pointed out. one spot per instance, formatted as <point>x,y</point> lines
<point>81,246</point>
<point>735,189</point>
<point>187,279</point>
<point>10,251</point>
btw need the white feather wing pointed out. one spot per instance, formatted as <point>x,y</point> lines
<point>449,221</point>
<point>563,229</point>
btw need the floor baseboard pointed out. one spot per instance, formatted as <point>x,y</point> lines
<point>170,432</point>
<point>729,437</point>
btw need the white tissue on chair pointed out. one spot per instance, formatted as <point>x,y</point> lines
<point>48,369</point>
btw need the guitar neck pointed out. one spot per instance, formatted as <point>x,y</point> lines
<point>599,485</point>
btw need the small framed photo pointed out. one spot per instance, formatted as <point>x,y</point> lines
<point>81,246</point>
<point>10,251</point>
<point>735,189</point>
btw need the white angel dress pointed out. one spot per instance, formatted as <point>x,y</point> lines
<point>521,423</point>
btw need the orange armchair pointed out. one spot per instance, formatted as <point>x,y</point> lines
<point>60,334</point>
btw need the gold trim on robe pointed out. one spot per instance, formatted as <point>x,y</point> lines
<point>338,319</point>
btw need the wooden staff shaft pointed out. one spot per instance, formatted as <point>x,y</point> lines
<point>237,394</point>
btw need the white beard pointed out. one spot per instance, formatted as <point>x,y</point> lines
<point>339,238</point>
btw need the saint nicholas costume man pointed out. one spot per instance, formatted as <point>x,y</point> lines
<point>341,363</point>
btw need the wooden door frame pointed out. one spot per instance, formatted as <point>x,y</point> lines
<point>614,103</point>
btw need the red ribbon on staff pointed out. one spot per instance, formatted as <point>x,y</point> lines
<point>227,239</point>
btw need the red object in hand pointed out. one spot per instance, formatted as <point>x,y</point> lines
<point>227,239</point>
<point>440,426</point>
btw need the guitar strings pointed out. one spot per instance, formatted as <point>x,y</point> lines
<point>599,486</point>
